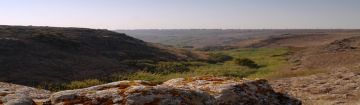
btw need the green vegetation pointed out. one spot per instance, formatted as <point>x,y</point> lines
<point>269,63</point>
<point>218,58</point>
<point>83,84</point>
<point>169,67</point>
<point>250,63</point>
<point>246,62</point>
<point>71,85</point>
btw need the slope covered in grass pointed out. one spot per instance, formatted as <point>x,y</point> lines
<point>270,60</point>
<point>35,55</point>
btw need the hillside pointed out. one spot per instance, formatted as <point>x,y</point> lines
<point>318,67</point>
<point>330,62</point>
<point>34,55</point>
<point>317,51</point>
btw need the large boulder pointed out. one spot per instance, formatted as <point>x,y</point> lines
<point>131,93</point>
<point>17,99</point>
<point>228,91</point>
<point>181,91</point>
<point>12,94</point>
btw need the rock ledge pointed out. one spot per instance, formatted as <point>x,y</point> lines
<point>181,91</point>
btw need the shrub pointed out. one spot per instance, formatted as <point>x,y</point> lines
<point>169,67</point>
<point>218,58</point>
<point>83,84</point>
<point>52,86</point>
<point>246,62</point>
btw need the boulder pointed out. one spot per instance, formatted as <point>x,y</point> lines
<point>229,91</point>
<point>17,99</point>
<point>131,93</point>
<point>181,91</point>
<point>12,94</point>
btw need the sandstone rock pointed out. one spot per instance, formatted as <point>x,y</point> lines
<point>8,88</point>
<point>12,94</point>
<point>228,91</point>
<point>131,93</point>
<point>5,91</point>
<point>17,99</point>
<point>191,91</point>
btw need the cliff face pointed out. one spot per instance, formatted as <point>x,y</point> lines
<point>189,91</point>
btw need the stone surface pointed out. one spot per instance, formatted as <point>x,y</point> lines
<point>12,94</point>
<point>228,91</point>
<point>17,99</point>
<point>131,93</point>
<point>190,91</point>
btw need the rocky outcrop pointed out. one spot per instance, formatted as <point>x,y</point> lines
<point>17,99</point>
<point>11,94</point>
<point>347,44</point>
<point>228,91</point>
<point>181,91</point>
<point>131,93</point>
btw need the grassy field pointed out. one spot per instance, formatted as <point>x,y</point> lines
<point>270,61</point>
<point>271,64</point>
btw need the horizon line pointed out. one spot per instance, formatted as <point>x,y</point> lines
<point>187,28</point>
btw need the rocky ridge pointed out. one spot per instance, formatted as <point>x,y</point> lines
<point>180,91</point>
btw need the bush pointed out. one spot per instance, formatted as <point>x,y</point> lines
<point>218,58</point>
<point>246,62</point>
<point>169,67</point>
<point>83,84</point>
<point>52,86</point>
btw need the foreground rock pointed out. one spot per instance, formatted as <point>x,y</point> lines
<point>11,94</point>
<point>191,91</point>
<point>17,99</point>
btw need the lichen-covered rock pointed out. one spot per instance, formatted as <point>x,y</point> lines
<point>17,99</point>
<point>131,93</point>
<point>191,91</point>
<point>12,94</point>
<point>228,91</point>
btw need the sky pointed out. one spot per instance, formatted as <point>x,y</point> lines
<point>183,14</point>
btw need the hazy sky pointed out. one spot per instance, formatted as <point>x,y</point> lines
<point>179,14</point>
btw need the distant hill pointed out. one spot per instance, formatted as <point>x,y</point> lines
<point>210,38</point>
<point>32,55</point>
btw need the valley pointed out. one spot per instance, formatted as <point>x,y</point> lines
<point>179,52</point>
<point>318,66</point>
<point>313,66</point>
